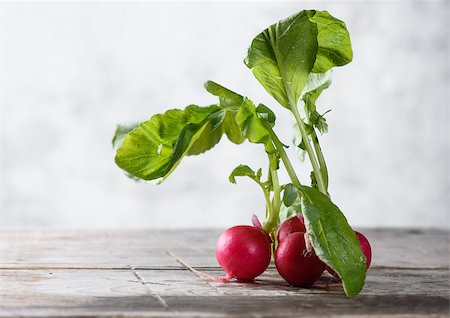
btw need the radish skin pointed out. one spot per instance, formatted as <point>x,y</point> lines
<point>291,225</point>
<point>243,252</point>
<point>295,264</point>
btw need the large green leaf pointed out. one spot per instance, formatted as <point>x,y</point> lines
<point>282,56</point>
<point>155,148</point>
<point>333,239</point>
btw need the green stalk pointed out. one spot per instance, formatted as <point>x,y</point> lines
<point>320,157</point>
<point>309,149</point>
<point>271,223</point>
<point>276,201</point>
<point>269,209</point>
<point>287,163</point>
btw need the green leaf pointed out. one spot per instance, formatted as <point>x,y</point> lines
<point>289,194</point>
<point>227,97</point>
<point>155,148</point>
<point>288,211</point>
<point>320,122</point>
<point>316,83</point>
<point>333,38</point>
<point>121,131</point>
<point>216,119</point>
<point>245,171</point>
<point>333,239</point>
<point>232,129</point>
<point>314,87</point>
<point>282,56</point>
<point>207,137</point>
<point>254,126</point>
<point>266,113</point>
<point>230,101</point>
<point>251,122</point>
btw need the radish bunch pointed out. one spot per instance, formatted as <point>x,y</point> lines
<point>291,59</point>
<point>244,253</point>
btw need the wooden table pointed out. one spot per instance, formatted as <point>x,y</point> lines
<point>148,273</point>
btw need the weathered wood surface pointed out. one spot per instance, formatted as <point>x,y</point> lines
<point>147,273</point>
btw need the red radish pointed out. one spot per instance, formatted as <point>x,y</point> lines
<point>291,225</point>
<point>295,264</point>
<point>243,252</point>
<point>367,250</point>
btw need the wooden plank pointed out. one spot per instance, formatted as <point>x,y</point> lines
<point>409,248</point>
<point>81,249</point>
<point>149,248</point>
<point>120,292</point>
<point>308,305</point>
<point>73,292</point>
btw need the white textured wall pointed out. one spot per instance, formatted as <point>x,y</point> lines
<point>71,71</point>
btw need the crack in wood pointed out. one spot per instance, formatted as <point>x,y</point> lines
<point>196,272</point>
<point>149,287</point>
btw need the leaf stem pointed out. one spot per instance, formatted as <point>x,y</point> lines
<point>309,149</point>
<point>272,221</point>
<point>287,163</point>
<point>320,157</point>
<point>269,209</point>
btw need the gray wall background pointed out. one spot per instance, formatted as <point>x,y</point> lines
<point>70,71</point>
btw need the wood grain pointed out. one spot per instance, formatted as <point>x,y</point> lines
<point>154,274</point>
